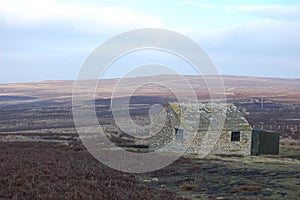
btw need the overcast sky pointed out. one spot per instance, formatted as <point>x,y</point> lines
<point>49,40</point>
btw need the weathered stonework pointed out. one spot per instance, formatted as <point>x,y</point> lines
<point>201,131</point>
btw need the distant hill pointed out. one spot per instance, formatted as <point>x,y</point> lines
<point>43,110</point>
<point>275,89</point>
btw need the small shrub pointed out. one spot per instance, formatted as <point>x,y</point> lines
<point>198,196</point>
<point>188,187</point>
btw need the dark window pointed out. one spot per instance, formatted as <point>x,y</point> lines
<point>179,134</point>
<point>235,136</point>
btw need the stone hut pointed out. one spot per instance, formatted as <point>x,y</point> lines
<point>205,128</point>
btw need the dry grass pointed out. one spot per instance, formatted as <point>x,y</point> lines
<point>246,188</point>
<point>192,187</point>
<point>290,142</point>
<point>54,171</point>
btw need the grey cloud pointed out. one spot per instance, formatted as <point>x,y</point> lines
<point>263,47</point>
<point>268,11</point>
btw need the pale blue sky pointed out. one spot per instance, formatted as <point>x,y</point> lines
<point>49,40</point>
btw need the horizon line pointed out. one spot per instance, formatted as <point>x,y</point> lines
<point>131,77</point>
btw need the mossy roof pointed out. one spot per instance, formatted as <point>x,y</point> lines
<point>210,113</point>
